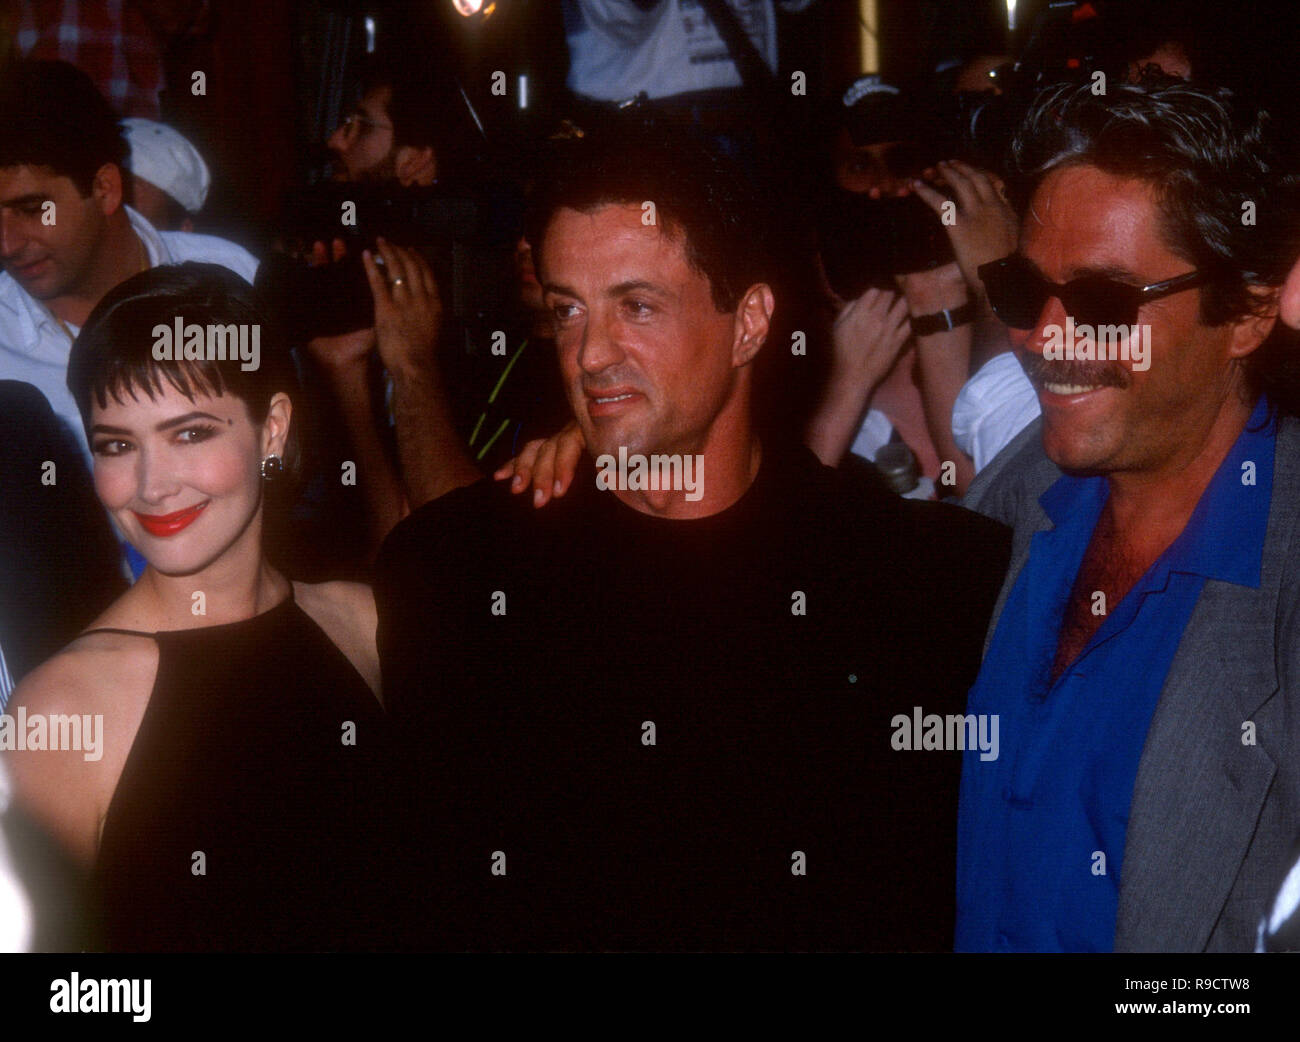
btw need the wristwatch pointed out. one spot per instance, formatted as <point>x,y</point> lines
<point>942,321</point>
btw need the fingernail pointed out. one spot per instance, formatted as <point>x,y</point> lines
<point>556,486</point>
<point>517,482</point>
<point>537,497</point>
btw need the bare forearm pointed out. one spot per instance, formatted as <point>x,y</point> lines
<point>990,336</point>
<point>943,363</point>
<point>832,428</point>
<point>432,453</point>
<point>866,338</point>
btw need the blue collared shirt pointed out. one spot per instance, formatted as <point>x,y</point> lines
<point>1041,831</point>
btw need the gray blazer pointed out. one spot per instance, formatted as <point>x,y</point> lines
<point>1212,818</point>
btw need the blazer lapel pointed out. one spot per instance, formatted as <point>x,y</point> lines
<point>1200,787</point>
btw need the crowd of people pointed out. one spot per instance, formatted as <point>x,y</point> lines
<point>671,569</point>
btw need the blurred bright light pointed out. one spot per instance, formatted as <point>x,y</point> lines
<point>468,7</point>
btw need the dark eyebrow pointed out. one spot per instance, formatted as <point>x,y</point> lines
<point>617,290</point>
<point>30,199</point>
<point>166,425</point>
<point>553,287</point>
<point>638,285</point>
<point>1105,271</point>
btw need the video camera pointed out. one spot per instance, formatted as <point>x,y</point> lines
<point>1066,45</point>
<point>880,138</point>
<point>462,235</point>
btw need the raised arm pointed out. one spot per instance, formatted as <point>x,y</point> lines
<point>408,315</point>
<point>867,337</point>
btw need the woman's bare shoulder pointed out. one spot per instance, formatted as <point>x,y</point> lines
<point>348,597</point>
<point>87,702</point>
<point>346,612</point>
<point>94,670</point>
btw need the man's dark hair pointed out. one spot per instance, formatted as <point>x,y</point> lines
<point>697,192</point>
<point>52,115</point>
<point>113,355</point>
<point>1224,201</point>
<point>1205,156</point>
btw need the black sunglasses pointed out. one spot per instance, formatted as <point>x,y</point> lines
<point>1018,294</point>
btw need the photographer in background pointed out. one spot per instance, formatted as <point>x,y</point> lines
<point>392,154</point>
<point>997,401</point>
<point>878,240</point>
<point>391,133</point>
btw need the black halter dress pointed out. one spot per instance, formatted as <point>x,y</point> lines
<point>254,811</point>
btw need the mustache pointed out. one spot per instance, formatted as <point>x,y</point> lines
<point>607,383</point>
<point>1080,373</point>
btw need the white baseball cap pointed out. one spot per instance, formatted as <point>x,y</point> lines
<point>161,156</point>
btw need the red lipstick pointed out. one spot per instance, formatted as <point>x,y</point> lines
<point>163,525</point>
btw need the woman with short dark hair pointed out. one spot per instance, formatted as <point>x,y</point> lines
<point>230,786</point>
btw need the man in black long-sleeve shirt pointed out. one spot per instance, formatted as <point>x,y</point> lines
<point>668,718</point>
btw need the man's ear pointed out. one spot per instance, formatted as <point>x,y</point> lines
<point>416,166</point>
<point>107,189</point>
<point>753,323</point>
<point>1249,332</point>
<point>1289,308</point>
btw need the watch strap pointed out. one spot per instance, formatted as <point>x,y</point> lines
<point>942,321</point>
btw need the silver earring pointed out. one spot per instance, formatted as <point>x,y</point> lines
<point>272,468</point>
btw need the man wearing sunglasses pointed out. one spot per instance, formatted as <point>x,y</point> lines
<point>1143,663</point>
